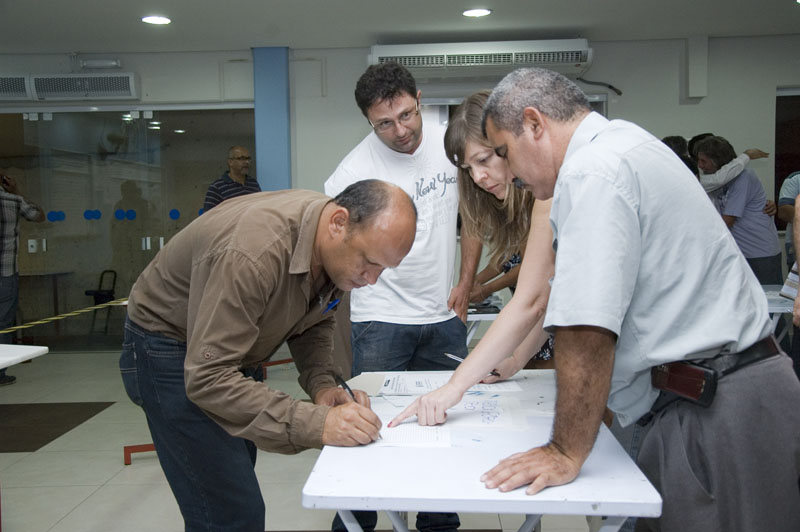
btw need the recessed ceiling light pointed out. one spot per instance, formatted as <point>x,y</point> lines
<point>480,12</point>
<point>156,19</point>
<point>153,127</point>
<point>155,123</point>
<point>179,131</point>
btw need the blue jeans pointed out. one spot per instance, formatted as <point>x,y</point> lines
<point>209,471</point>
<point>9,299</point>
<point>381,346</point>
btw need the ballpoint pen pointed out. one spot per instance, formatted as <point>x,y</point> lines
<point>341,382</point>
<point>459,359</point>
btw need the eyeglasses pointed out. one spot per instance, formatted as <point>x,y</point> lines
<point>240,158</point>
<point>385,125</point>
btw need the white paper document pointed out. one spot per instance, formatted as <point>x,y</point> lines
<point>422,383</point>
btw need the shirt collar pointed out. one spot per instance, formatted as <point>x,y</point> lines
<point>303,249</point>
<point>586,131</point>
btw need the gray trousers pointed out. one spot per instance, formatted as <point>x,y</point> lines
<point>734,466</point>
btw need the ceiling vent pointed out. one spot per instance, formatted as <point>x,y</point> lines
<point>485,59</point>
<point>14,88</point>
<point>118,86</point>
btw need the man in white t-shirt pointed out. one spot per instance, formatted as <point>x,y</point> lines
<point>647,274</point>
<point>411,317</point>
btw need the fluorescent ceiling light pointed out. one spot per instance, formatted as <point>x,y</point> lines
<point>179,131</point>
<point>156,19</point>
<point>480,12</point>
<point>153,127</point>
<point>100,63</point>
<point>155,123</point>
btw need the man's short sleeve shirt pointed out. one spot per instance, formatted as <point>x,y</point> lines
<point>641,252</point>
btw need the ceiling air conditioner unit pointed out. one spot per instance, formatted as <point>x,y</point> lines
<point>485,59</point>
<point>15,87</point>
<point>117,86</point>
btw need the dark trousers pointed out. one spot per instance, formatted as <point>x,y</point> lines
<point>209,471</point>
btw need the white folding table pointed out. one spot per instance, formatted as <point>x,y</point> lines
<point>446,479</point>
<point>11,354</point>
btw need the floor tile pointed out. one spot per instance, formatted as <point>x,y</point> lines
<point>38,509</point>
<point>7,459</point>
<point>101,437</point>
<point>70,468</point>
<point>124,508</point>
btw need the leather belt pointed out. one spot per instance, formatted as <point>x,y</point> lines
<point>732,362</point>
<point>678,381</point>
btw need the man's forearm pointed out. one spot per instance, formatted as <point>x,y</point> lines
<point>470,257</point>
<point>584,359</point>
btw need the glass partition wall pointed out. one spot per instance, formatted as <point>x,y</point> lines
<point>114,189</point>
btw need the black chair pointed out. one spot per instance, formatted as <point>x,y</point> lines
<point>103,294</point>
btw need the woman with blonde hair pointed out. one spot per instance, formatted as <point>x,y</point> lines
<point>502,216</point>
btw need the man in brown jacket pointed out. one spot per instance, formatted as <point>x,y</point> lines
<point>219,300</point>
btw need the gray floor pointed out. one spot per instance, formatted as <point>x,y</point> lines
<point>78,482</point>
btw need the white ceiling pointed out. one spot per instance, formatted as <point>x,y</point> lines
<point>87,26</point>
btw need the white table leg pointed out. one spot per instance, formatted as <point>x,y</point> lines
<point>605,524</point>
<point>349,521</point>
<point>399,522</point>
<point>472,328</point>
<point>780,334</point>
<point>531,523</point>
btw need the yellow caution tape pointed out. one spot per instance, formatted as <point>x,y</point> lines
<point>65,315</point>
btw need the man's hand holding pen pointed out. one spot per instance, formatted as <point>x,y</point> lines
<point>350,421</point>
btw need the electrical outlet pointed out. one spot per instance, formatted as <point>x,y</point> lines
<point>32,245</point>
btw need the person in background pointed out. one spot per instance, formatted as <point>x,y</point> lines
<point>219,300</point>
<point>233,183</point>
<point>787,197</point>
<point>13,206</point>
<point>795,351</point>
<point>499,214</point>
<point>413,314</point>
<point>678,144</point>
<point>646,255</point>
<point>742,208</point>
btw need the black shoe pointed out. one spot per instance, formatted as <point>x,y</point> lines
<point>7,379</point>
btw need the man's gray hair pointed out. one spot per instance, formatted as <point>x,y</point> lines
<point>552,94</point>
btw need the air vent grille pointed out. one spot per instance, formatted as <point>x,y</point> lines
<point>549,58</point>
<point>489,60</point>
<point>480,59</point>
<point>415,61</point>
<point>84,87</point>
<point>13,88</point>
<point>87,87</point>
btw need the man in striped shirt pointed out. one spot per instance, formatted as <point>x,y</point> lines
<point>233,183</point>
<point>12,206</point>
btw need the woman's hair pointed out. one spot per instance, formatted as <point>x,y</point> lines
<point>503,225</point>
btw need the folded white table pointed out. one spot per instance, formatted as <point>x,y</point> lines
<point>11,354</point>
<point>446,479</point>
